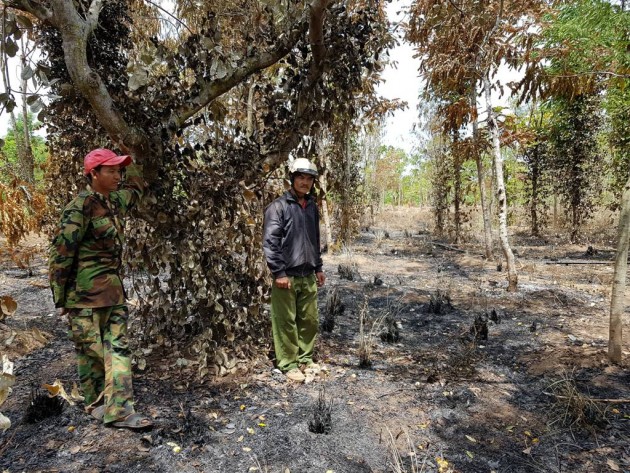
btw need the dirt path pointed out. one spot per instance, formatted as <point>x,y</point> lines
<point>454,402</point>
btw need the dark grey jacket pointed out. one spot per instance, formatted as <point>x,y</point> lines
<point>291,237</point>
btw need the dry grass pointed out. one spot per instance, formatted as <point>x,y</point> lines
<point>600,229</point>
<point>412,219</point>
<point>572,408</point>
<point>390,317</point>
<point>366,336</point>
<point>334,308</point>
<point>403,463</point>
<point>379,237</point>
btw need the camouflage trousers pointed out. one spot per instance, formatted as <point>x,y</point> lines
<point>294,322</point>
<point>100,339</point>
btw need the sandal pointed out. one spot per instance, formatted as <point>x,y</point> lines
<point>133,421</point>
<point>98,412</point>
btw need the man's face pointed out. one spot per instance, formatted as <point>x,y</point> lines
<point>302,183</point>
<point>107,179</point>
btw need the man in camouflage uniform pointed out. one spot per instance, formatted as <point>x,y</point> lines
<point>84,269</point>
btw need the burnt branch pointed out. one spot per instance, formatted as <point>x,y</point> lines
<point>250,66</point>
<point>37,9</point>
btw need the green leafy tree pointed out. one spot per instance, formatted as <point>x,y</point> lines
<point>576,160</point>
<point>387,174</point>
<point>416,181</point>
<point>536,155</point>
<point>9,159</point>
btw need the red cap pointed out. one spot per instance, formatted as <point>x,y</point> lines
<point>103,157</point>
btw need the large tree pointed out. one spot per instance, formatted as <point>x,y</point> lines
<point>211,98</point>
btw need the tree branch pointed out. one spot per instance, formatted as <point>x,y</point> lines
<point>177,20</point>
<point>93,13</point>
<point>481,55</point>
<point>250,66</point>
<point>302,117</point>
<point>37,9</point>
<point>75,33</point>
<point>316,31</point>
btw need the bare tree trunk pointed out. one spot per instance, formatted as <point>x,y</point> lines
<point>19,146</point>
<point>615,341</point>
<point>575,221</point>
<point>500,190</point>
<point>485,207</point>
<point>345,230</point>
<point>535,197</point>
<point>323,182</point>
<point>27,161</point>
<point>457,197</point>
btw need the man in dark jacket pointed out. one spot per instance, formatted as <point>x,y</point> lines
<point>292,249</point>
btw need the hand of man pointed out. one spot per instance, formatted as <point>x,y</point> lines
<point>283,283</point>
<point>321,279</point>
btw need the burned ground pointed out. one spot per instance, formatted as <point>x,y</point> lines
<point>536,396</point>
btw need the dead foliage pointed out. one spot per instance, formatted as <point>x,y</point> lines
<point>573,409</point>
<point>349,272</point>
<point>8,306</point>
<point>42,406</point>
<point>440,302</point>
<point>334,308</point>
<point>321,422</point>
<point>22,208</point>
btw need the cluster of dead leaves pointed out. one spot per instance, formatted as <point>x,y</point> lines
<point>7,379</point>
<point>22,207</point>
<point>8,306</point>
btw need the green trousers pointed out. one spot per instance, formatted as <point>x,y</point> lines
<point>294,322</point>
<point>100,339</point>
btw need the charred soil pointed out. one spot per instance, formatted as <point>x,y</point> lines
<point>463,376</point>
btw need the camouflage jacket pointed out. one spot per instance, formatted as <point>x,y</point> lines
<point>86,253</point>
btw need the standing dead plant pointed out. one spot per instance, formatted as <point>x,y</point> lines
<point>391,321</point>
<point>440,302</point>
<point>379,236</point>
<point>334,308</point>
<point>572,408</point>
<point>321,422</point>
<point>366,336</point>
<point>399,463</point>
